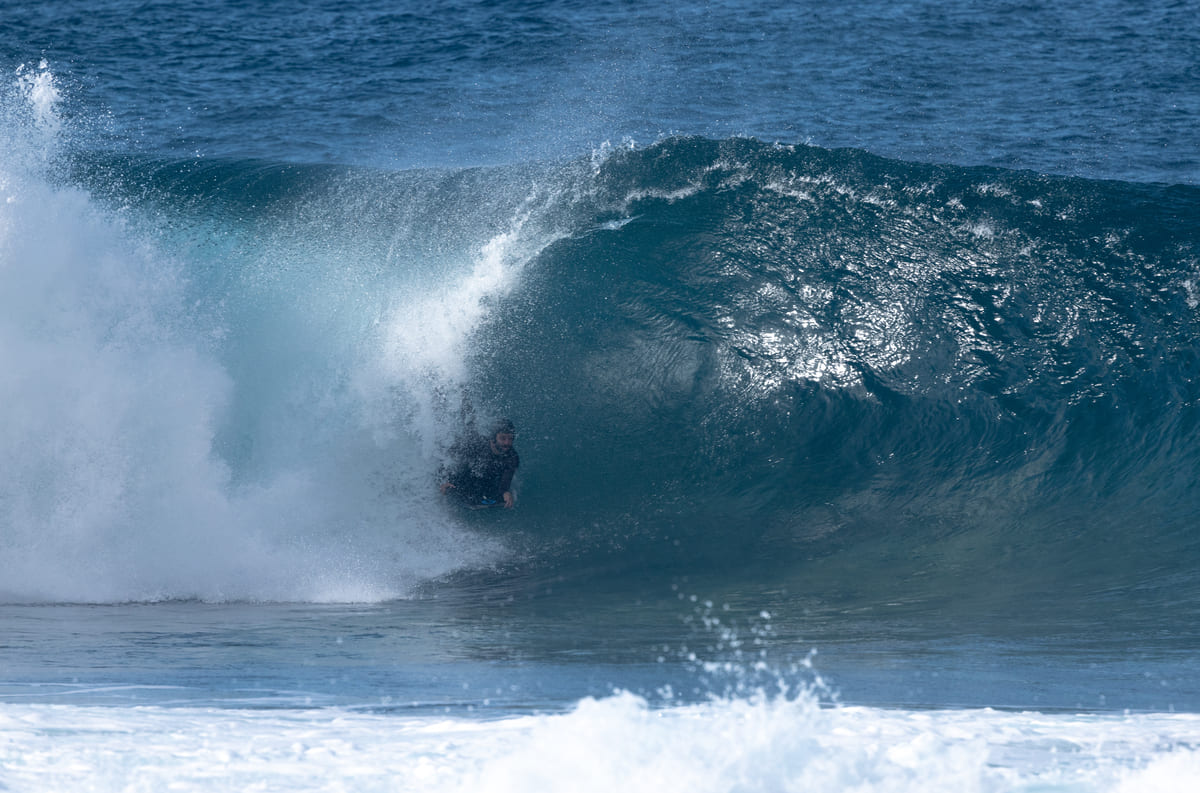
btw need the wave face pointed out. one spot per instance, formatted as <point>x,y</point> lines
<point>762,356</point>
<point>819,368</point>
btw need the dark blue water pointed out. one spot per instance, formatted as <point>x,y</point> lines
<point>876,317</point>
<point>1104,90</point>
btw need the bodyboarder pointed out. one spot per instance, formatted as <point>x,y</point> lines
<point>483,468</point>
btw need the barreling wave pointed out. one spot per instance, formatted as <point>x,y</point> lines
<point>817,367</point>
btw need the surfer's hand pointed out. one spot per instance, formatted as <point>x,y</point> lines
<point>446,486</point>
<point>508,500</point>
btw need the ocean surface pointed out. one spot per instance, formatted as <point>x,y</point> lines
<point>852,349</point>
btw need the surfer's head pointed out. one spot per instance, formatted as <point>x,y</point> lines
<point>503,435</point>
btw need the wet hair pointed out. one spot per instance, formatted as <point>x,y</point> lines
<point>503,426</point>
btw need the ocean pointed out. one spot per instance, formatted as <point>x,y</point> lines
<point>852,350</point>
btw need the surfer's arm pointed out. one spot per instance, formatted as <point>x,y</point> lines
<point>506,483</point>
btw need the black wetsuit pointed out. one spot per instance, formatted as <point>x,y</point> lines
<point>480,475</point>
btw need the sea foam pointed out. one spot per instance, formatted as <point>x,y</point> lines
<point>616,742</point>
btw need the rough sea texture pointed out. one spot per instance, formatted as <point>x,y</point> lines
<point>852,350</point>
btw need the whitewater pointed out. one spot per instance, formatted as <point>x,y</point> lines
<point>854,374</point>
<point>598,745</point>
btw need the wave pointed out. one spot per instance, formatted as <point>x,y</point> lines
<point>858,376</point>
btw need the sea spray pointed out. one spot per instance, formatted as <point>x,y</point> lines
<point>110,409</point>
<point>132,398</point>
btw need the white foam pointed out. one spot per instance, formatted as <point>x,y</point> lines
<point>115,397</point>
<point>615,743</point>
